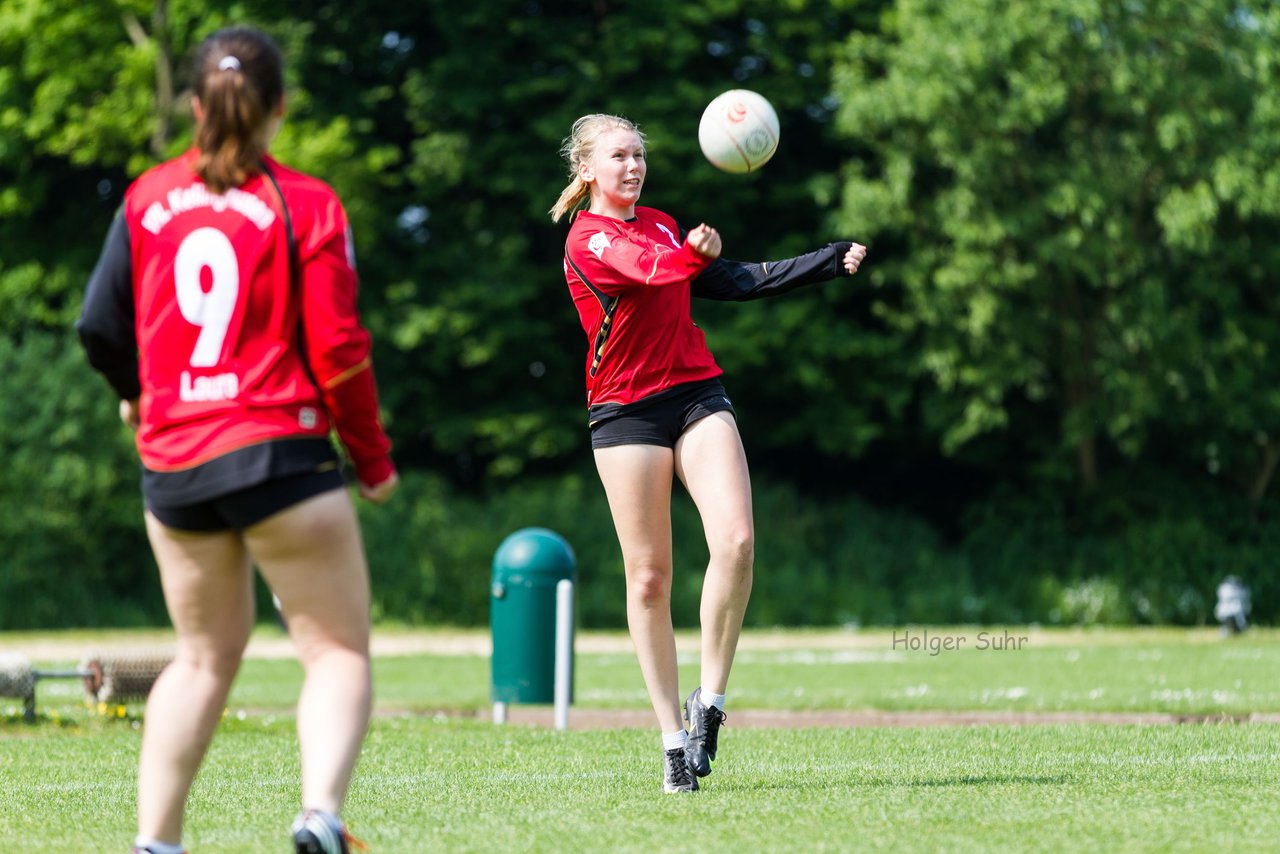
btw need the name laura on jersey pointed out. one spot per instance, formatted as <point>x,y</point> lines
<point>203,389</point>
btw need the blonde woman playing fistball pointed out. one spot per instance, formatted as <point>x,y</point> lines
<point>657,410</point>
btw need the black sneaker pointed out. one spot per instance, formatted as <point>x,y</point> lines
<point>676,777</point>
<point>704,731</point>
<point>314,832</point>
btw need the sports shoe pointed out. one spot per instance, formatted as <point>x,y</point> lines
<point>147,850</point>
<point>316,832</point>
<point>676,777</point>
<point>704,731</point>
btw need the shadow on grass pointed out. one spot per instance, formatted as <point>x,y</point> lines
<point>974,780</point>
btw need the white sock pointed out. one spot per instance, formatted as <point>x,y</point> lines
<point>156,846</point>
<point>708,699</point>
<point>334,823</point>
<point>677,740</point>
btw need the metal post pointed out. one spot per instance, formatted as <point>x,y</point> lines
<point>499,713</point>
<point>564,651</point>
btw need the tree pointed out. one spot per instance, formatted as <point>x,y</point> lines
<point>1076,192</point>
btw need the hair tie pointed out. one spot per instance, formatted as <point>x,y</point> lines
<point>228,63</point>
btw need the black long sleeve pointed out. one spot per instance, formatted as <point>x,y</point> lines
<point>106,324</point>
<point>740,281</point>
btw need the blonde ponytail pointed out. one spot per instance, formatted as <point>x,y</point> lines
<point>571,197</point>
<point>576,148</point>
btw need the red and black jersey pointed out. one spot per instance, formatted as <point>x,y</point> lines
<point>630,283</point>
<point>195,306</point>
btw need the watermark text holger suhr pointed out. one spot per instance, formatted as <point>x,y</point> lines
<point>935,643</point>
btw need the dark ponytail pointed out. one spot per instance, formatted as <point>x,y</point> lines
<point>239,78</point>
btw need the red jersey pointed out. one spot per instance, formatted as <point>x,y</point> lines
<point>217,327</point>
<point>630,283</point>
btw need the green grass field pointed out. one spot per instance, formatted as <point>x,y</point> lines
<point>452,782</point>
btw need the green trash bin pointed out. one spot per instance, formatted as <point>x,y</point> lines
<point>522,614</point>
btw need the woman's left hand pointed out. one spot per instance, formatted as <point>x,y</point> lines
<point>853,258</point>
<point>380,492</point>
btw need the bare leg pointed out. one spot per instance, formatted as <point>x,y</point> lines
<point>208,590</point>
<point>711,463</point>
<point>312,556</point>
<point>637,480</point>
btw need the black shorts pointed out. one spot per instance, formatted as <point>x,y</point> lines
<point>243,487</point>
<point>243,508</point>
<point>659,419</point>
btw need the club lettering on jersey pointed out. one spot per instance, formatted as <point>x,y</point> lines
<point>183,199</point>
<point>599,242</point>
<point>203,389</point>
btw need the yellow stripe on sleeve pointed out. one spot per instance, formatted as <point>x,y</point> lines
<point>363,365</point>
<point>654,271</point>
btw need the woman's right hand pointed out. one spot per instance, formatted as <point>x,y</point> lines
<point>379,493</point>
<point>131,413</point>
<point>704,240</point>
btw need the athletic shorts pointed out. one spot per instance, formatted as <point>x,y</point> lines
<point>244,487</point>
<point>659,419</point>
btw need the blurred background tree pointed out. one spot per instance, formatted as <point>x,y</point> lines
<point>1071,190</point>
<point>1053,384</point>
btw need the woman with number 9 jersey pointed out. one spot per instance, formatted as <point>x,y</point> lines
<point>223,313</point>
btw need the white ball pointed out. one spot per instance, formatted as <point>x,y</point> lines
<point>739,131</point>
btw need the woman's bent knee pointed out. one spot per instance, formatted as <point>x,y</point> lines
<point>649,587</point>
<point>737,549</point>
<point>335,656</point>
<point>218,664</point>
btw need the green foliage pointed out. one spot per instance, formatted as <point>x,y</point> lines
<point>818,561</point>
<point>1071,208</point>
<point>72,548</point>
<point>1065,181</point>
